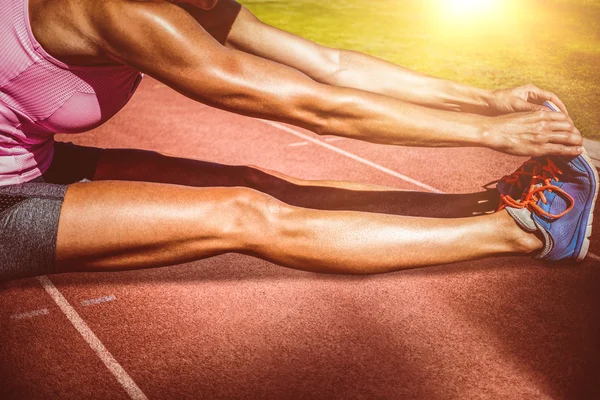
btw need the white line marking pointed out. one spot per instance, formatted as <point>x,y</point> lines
<point>367,162</point>
<point>84,330</point>
<point>297,144</point>
<point>352,156</point>
<point>99,300</point>
<point>333,139</point>
<point>30,314</point>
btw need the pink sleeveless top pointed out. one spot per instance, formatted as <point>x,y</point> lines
<point>41,96</point>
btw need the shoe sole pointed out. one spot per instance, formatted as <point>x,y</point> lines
<point>588,231</point>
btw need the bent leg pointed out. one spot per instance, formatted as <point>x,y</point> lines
<point>127,225</point>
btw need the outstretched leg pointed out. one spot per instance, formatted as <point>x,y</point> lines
<point>127,225</point>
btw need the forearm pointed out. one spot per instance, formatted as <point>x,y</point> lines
<point>264,89</point>
<point>361,71</point>
<point>381,119</point>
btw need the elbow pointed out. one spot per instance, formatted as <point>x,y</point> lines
<point>319,123</point>
<point>316,110</point>
<point>235,85</point>
<point>333,111</point>
<point>297,99</point>
<point>331,66</point>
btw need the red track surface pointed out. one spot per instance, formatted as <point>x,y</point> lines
<point>240,328</point>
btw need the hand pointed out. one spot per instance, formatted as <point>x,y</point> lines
<point>538,133</point>
<point>522,99</point>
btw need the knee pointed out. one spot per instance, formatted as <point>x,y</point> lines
<point>255,217</point>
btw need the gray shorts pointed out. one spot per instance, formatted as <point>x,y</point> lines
<point>29,212</point>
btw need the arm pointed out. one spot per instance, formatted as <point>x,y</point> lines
<point>360,71</point>
<point>167,43</point>
<point>351,69</point>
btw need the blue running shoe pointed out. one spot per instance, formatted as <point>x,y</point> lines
<point>559,202</point>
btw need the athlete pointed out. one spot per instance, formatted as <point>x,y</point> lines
<point>70,65</point>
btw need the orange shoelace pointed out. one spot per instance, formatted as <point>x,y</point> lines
<point>542,175</point>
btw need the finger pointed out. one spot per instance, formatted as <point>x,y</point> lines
<point>540,95</point>
<point>566,126</point>
<point>556,116</point>
<point>546,115</point>
<point>554,98</point>
<point>551,149</point>
<point>565,138</point>
<point>522,105</point>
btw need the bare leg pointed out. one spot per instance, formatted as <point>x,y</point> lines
<point>127,225</point>
<point>147,166</point>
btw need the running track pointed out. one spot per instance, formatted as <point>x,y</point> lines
<point>234,327</point>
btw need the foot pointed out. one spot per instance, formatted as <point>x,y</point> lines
<point>555,197</point>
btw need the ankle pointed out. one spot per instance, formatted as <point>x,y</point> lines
<point>518,240</point>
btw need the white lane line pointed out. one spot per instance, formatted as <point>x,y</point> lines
<point>331,139</point>
<point>298,144</point>
<point>84,330</point>
<point>352,156</point>
<point>30,314</point>
<point>99,300</point>
<point>381,168</point>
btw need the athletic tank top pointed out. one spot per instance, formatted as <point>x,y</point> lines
<point>41,96</point>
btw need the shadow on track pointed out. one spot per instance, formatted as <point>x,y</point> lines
<point>148,166</point>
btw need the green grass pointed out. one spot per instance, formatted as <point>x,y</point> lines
<point>553,44</point>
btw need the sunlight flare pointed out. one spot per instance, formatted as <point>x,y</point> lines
<point>477,19</point>
<point>470,8</point>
